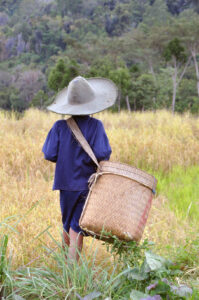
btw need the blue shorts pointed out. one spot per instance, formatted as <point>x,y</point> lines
<point>72,204</point>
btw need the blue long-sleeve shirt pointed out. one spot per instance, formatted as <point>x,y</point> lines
<point>73,165</point>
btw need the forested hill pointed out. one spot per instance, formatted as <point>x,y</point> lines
<point>140,44</point>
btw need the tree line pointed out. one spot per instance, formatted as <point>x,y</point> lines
<point>151,54</point>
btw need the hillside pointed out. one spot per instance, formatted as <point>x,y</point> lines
<point>122,35</point>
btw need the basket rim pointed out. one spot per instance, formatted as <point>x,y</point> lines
<point>126,165</point>
<point>130,169</point>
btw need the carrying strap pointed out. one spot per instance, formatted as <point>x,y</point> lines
<point>81,139</point>
<point>83,142</point>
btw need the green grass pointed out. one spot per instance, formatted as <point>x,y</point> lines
<point>134,269</point>
<point>181,187</point>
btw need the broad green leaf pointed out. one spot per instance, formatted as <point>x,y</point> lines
<point>136,295</point>
<point>156,262</point>
<point>145,267</point>
<point>136,274</point>
<point>90,296</point>
<point>162,288</point>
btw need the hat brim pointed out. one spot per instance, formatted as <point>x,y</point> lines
<point>106,93</point>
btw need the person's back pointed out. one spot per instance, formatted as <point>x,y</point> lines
<point>73,165</point>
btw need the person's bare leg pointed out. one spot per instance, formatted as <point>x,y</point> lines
<point>66,238</point>
<point>76,243</point>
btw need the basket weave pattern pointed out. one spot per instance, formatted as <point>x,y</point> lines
<point>119,199</point>
<point>118,203</point>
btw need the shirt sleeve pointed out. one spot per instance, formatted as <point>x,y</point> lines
<point>51,145</point>
<point>101,147</point>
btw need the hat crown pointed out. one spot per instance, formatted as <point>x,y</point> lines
<point>80,91</point>
<point>85,96</point>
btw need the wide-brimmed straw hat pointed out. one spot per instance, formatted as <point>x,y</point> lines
<point>85,96</point>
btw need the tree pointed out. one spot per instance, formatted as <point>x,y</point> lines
<point>40,99</point>
<point>29,83</point>
<point>140,45</point>
<point>122,79</point>
<point>120,74</point>
<point>138,9</point>
<point>177,6</point>
<point>188,29</point>
<point>174,52</point>
<point>144,92</point>
<point>62,74</point>
<point>9,6</point>
<point>101,68</point>
<point>5,99</point>
<point>194,4</point>
<point>195,105</point>
<point>185,99</point>
<point>67,7</point>
<point>10,100</point>
<point>117,23</point>
<point>144,45</point>
<point>164,87</point>
<point>17,103</point>
<point>156,14</point>
<point>28,8</point>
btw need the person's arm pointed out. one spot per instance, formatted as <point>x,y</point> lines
<point>101,147</point>
<point>50,147</point>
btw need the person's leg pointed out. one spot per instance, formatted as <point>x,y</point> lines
<point>76,244</point>
<point>66,239</point>
<point>67,204</point>
<point>75,232</point>
<point>71,207</point>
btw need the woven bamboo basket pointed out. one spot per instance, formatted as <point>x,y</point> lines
<point>119,201</point>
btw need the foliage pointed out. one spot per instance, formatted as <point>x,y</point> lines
<point>144,92</point>
<point>147,271</point>
<point>152,278</point>
<point>188,93</point>
<point>3,259</point>
<point>10,99</point>
<point>9,6</point>
<point>175,49</point>
<point>195,105</point>
<point>40,100</point>
<point>62,74</point>
<point>101,38</point>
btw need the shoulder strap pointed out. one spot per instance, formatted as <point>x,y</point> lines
<point>81,139</point>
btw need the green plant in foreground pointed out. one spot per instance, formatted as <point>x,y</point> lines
<point>151,275</point>
<point>3,263</point>
<point>137,273</point>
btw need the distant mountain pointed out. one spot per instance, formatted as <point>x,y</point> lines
<point>43,27</point>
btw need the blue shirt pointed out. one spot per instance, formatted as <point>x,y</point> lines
<point>73,165</point>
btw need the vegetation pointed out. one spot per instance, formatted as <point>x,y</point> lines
<point>32,259</point>
<point>149,48</point>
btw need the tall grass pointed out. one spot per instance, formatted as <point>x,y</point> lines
<point>181,187</point>
<point>160,143</point>
<point>135,270</point>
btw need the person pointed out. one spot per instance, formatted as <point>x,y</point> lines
<point>74,167</point>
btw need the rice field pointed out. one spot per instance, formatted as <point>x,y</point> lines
<point>164,145</point>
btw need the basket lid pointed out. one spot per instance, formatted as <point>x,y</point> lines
<point>130,172</point>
